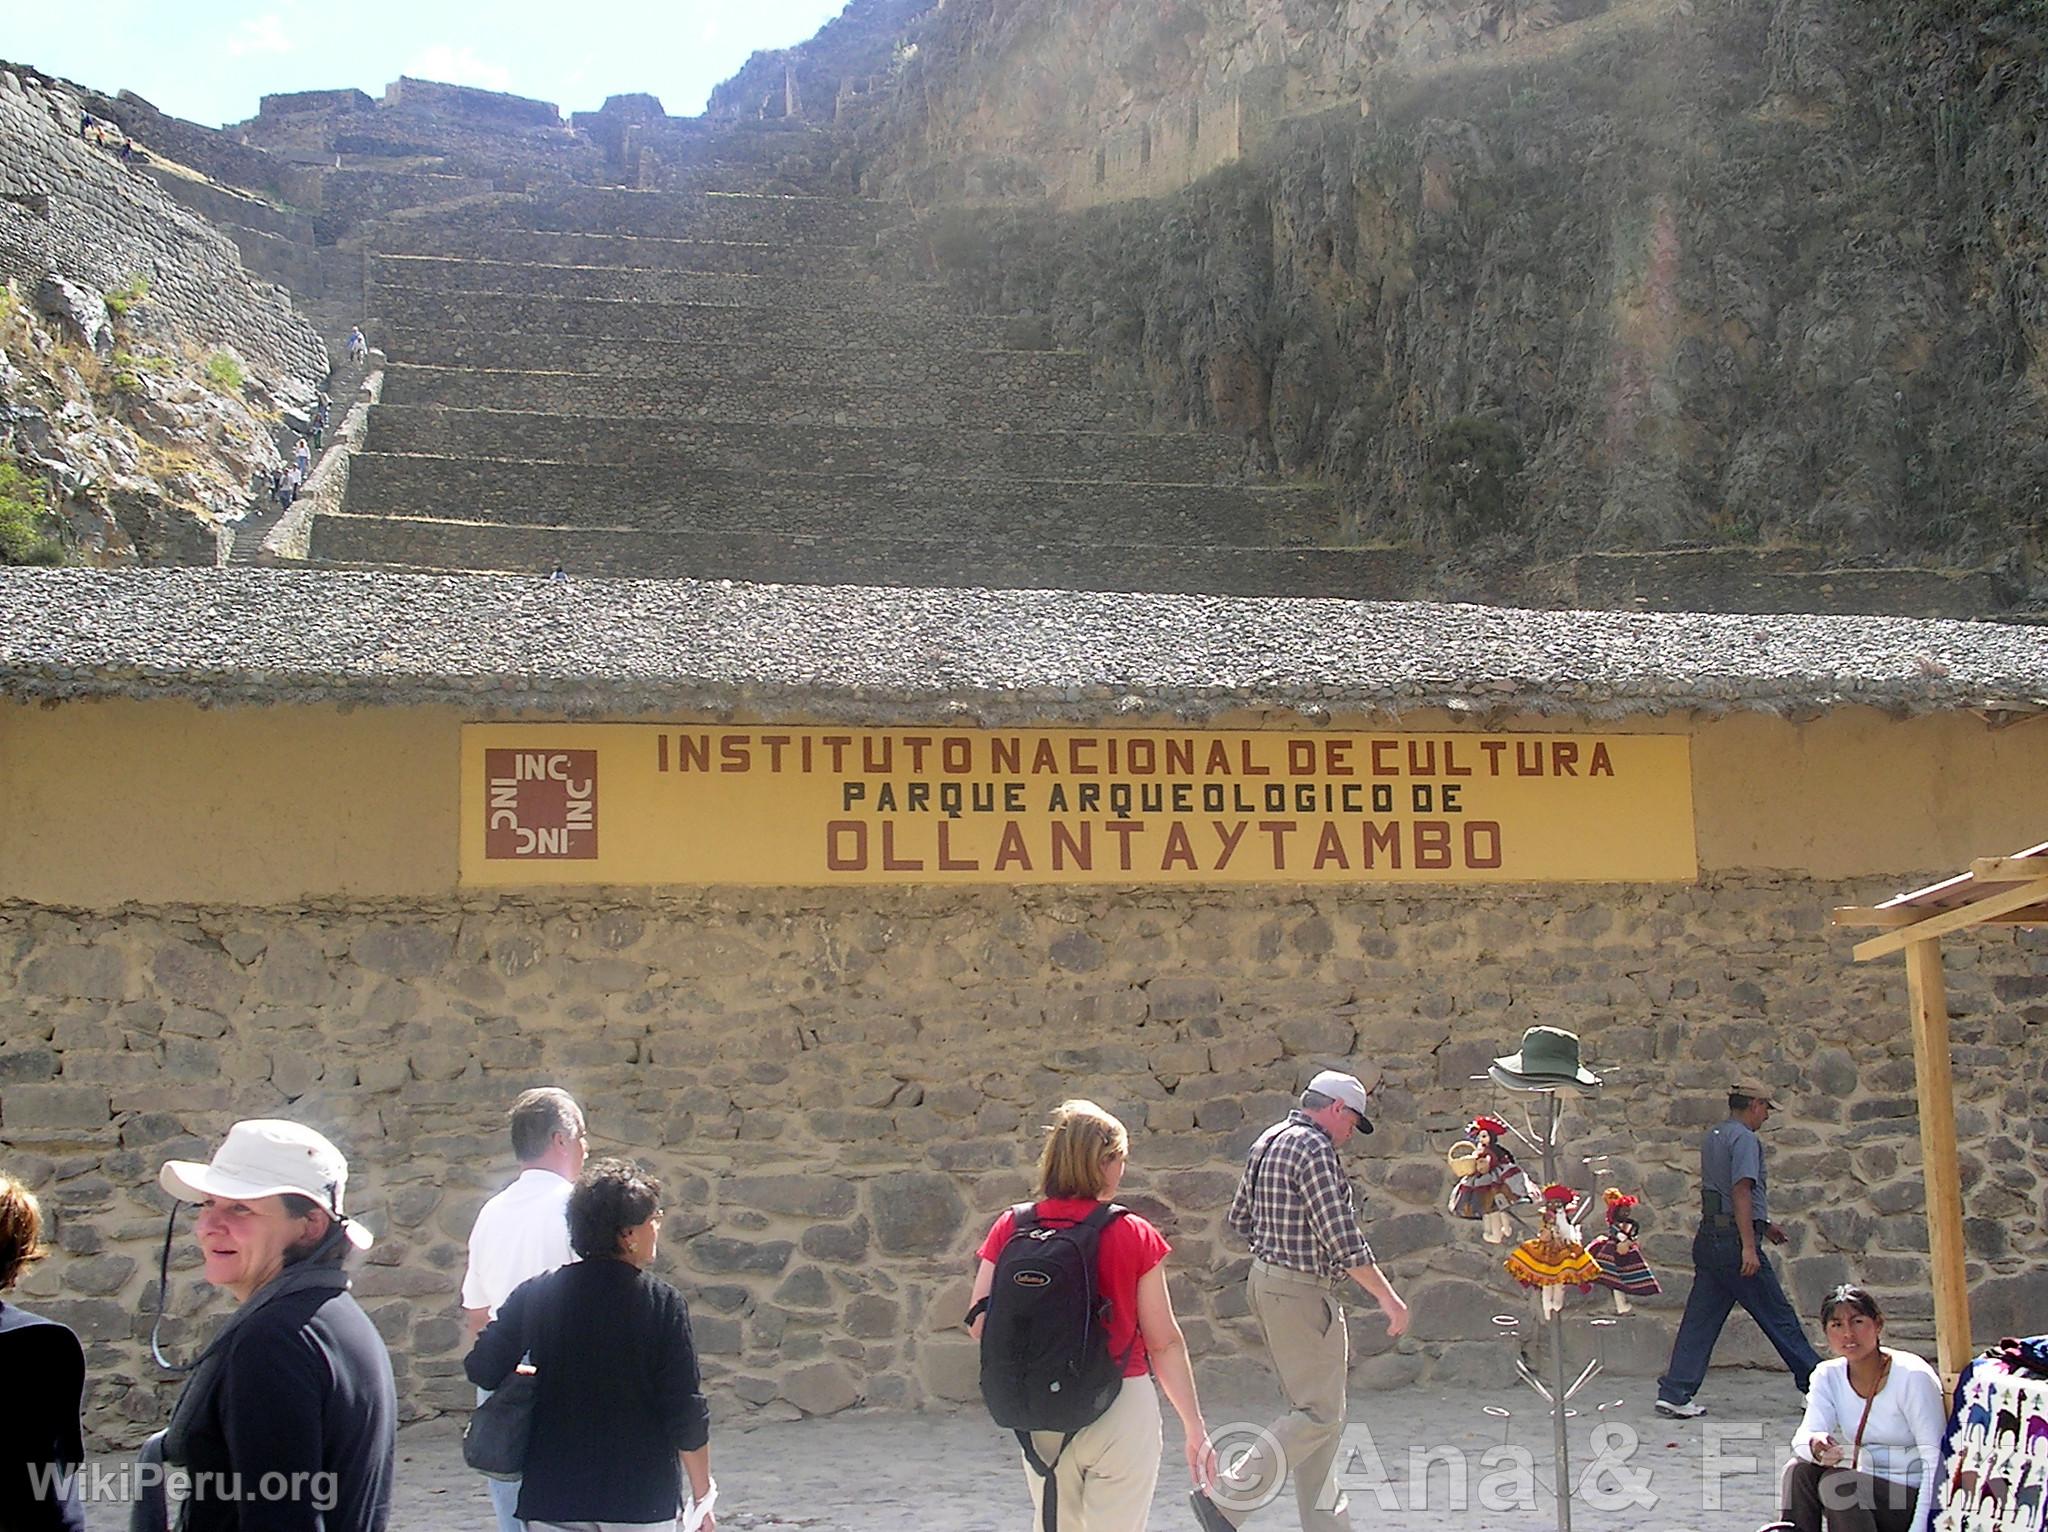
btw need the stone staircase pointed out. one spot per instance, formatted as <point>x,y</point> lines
<point>714,382</point>
<point>245,537</point>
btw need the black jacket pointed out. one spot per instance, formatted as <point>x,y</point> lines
<point>305,1391</point>
<point>42,1382</point>
<point>618,1392</point>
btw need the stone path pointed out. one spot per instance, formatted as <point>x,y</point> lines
<point>867,1470</point>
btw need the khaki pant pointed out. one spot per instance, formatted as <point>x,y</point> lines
<point>1109,1470</point>
<point>1304,1330</point>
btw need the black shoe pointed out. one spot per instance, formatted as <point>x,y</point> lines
<point>1208,1514</point>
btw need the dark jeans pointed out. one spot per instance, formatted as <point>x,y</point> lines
<point>1842,1500</point>
<point>1717,1286</point>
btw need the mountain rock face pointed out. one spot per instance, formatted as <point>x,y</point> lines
<point>143,372</point>
<point>1527,278</point>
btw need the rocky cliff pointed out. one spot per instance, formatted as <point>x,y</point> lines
<point>144,375</point>
<point>1528,277</point>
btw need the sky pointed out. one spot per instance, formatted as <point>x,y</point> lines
<point>209,61</point>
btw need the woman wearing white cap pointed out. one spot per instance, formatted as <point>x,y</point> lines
<point>288,1419</point>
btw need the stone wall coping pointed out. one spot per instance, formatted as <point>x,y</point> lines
<point>584,647</point>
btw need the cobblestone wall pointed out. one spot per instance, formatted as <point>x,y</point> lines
<point>841,1090</point>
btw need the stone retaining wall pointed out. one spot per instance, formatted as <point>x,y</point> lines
<point>561,248</point>
<point>796,292</point>
<point>203,149</point>
<point>1779,580</point>
<point>327,486</point>
<point>572,320</point>
<point>725,357</point>
<point>969,402</point>
<point>841,1089</point>
<point>75,209</point>
<point>718,216</point>
<point>694,446</point>
<point>656,499</point>
<point>1005,557</point>
<point>343,199</point>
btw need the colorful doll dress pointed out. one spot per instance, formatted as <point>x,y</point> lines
<point>1497,1184</point>
<point>1551,1260</point>
<point>1623,1270</point>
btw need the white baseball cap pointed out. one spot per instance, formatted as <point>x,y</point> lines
<point>269,1157</point>
<point>1339,1086</point>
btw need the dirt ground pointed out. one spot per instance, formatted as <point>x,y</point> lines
<point>1415,1459</point>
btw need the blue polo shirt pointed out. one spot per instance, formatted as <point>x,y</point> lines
<point>1732,1152</point>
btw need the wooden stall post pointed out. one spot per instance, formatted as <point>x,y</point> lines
<point>1928,997</point>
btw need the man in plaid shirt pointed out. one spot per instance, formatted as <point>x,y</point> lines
<point>1294,1208</point>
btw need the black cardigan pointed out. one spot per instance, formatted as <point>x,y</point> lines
<point>44,1369</point>
<point>618,1393</point>
<point>305,1390</point>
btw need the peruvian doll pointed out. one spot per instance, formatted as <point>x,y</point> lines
<point>1554,1260</point>
<point>1489,1180</point>
<point>1619,1253</point>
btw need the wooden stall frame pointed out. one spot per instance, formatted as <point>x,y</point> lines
<point>1997,890</point>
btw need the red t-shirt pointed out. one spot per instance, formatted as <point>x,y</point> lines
<point>1128,1249</point>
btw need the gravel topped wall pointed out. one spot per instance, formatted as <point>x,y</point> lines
<point>616,646</point>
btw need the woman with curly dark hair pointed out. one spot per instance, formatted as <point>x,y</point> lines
<point>39,1427</point>
<point>619,1418</point>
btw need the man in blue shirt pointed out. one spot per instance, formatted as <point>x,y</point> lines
<point>1727,1258</point>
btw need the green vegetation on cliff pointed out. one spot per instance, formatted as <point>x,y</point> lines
<point>23,510</point>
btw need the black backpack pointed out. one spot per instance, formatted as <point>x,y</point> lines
<point>1045,1358</point>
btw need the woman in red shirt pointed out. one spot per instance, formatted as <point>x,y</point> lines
<point>1108,1471</point>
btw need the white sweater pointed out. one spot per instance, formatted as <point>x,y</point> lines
<point>1902,1442</point>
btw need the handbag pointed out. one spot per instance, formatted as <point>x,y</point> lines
<point>494,1441</point>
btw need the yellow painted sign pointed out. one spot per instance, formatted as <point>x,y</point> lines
<point>647,804</point>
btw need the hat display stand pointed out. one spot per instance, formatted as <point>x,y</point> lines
<point>1542,1136</point>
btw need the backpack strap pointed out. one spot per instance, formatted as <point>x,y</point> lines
<point>1049,1496</point>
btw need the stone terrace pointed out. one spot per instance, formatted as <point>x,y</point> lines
<point>717,383</point>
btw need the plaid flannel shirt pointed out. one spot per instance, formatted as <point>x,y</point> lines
<point>1294,1205</point>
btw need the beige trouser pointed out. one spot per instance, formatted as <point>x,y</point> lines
<point>1109,1470</point>
<point>1303,1325</point>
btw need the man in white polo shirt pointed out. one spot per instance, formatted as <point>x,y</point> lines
<point>524,1230</point>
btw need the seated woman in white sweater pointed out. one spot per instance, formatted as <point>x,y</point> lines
<point>1866,1453</point>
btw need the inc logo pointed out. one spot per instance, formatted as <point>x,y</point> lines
<point>540,805</point>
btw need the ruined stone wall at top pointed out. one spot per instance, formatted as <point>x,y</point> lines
<point>841,1089</point>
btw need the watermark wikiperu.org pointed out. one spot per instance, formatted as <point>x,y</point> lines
<point>1705,1481</point>
<point>123,1483</point>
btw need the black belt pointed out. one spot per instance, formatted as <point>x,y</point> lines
<point>1726,1221</point>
